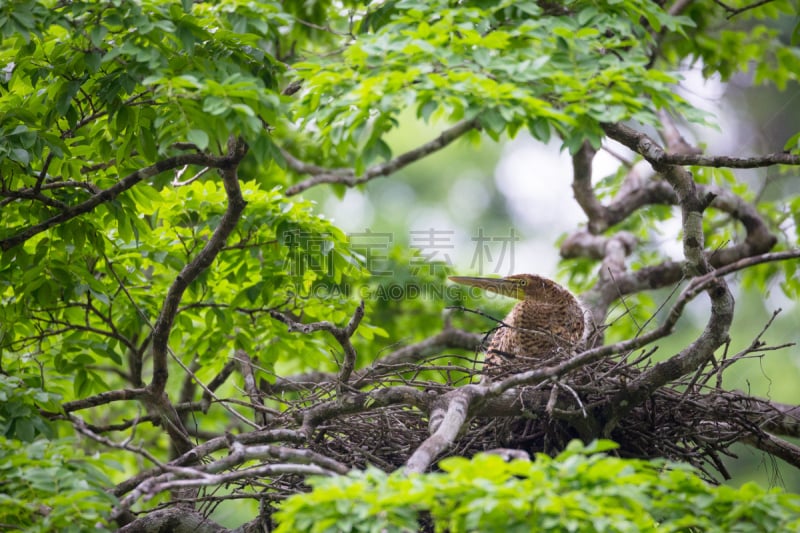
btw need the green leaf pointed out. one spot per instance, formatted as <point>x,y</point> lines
<point>20,156</point>
<point>198,137</point>
<point>793,144</point>
<point>65,95</point>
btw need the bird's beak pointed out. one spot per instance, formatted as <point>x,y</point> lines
<point>506,287</point>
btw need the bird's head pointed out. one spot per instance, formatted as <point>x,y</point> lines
<point>519,286</point>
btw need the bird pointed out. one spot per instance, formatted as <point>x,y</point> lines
<point>548,323</point>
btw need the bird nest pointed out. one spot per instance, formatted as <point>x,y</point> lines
<point>688,421</point>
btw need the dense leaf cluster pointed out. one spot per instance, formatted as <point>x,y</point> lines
<point>49,486</point>
<point>581,490</point>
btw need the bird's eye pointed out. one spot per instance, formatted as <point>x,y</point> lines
<point>523,282</point>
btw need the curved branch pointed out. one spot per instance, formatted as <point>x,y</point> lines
<point>692,204</point>
<point>199,452</point>
<point>659,159</point>
<point>582,182</point>
<point>173,519</point>
<point>774,417</point>
<point>163,325</point>
<point>157,401</point>
<point>775,446</point>
<point>342,335</point>
<point>614,282</point>
<point>447,417</point>
<point>348,178</point>
<point>659,192</point>
<point>260,417</point>
<point>190,478</point>
<point>239,454</point>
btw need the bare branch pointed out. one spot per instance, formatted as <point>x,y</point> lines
<point>190,478</point>
<point>157,400</point>
<point>208,394</point>
<point>240,454</point>
<point>84,429</point>
<point>214,384</point>
<point>716,331</point>
<point>643,192</point>
<point>251,387</point>
<point>733,11</point>
<point>349,179</point>
<point>447,418</point>
<point>163,325</point>
<point>775,446</point>
<point>582,182</point>
<point>656,156</point>
<point>199,452</point>
<point>27,194</point>
<point>173,519</point>
<point>342,335</point>
<point>104,398</point>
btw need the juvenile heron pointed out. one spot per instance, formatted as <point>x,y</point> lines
<point>548,322</point>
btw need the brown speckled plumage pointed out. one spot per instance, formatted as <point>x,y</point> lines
<point>548,323</point>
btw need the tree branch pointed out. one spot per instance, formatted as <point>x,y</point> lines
<point>348,178</point>
<point>614,282</point>
<point>774,446</point>
<point>449,337</point>
<point>716,331</point>
<point>163,325</point>
<point>447,418</point>
<point>176,519</point>
<point>104,398</point>
<point>656,156</point>
<point>157,400</point>
<point>733,11</point>
<point>582,182</point>
<point>112,192</point>
<point>201,451</point>
<point>260,417</point>
<point>342,335</point>
<point>192,478</point>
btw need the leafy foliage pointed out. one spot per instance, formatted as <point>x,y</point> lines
<point>115,122</point>
<point>48,486</point>
<point>520,68</point>
<point>20,401</point>
<point>582,489</point>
